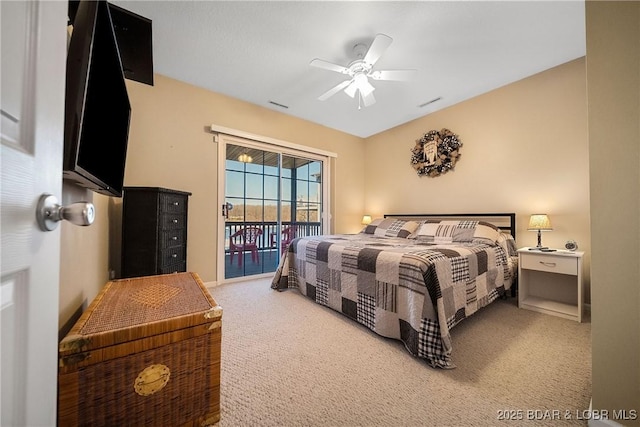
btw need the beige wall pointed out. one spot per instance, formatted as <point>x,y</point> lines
<point>613,75</point>
<point>170,146</point>
<point>525,150</point>
<point>84,255</point>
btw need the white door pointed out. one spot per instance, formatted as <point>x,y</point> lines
<point>33,80</point>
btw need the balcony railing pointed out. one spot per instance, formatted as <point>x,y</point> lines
<point>269,238</point>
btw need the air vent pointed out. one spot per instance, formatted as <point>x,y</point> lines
<point>278,105</point>
<point>430,102</point>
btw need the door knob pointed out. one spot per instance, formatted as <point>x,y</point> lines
<point>49,213</point>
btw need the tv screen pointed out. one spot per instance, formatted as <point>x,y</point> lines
<point>97,108</point>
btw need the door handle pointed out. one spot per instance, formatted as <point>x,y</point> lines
<point>49,213</point>
<point>225,210</point>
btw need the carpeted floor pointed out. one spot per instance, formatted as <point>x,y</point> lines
<point>287,361</point>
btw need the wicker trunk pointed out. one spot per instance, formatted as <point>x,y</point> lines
<point>146,352</point>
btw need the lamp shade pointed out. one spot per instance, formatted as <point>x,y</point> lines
<point>539,222</point>
<point>366,220</point>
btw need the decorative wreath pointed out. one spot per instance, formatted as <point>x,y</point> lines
<point>436,152</point>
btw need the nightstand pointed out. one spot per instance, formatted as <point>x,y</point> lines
<point>551,282</point>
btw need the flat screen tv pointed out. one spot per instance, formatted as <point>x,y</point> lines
<point>97,108</point>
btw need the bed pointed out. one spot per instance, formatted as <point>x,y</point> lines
<point>408,277</point>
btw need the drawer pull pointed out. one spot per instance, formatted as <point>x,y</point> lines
<point>548,264</point>
<point>175,221</point>
<point>174,255</point>
<point>176,204</point>
<point>174,238</point>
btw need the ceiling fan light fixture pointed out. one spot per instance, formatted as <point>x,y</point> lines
<point>351,89</point>
<point>360,79</point>
<point>360,82</point>
<point>363,84</point>
<point>367,90</point>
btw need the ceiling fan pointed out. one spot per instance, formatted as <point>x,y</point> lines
<point>360,70</point>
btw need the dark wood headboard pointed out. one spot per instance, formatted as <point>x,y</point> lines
<point>504,221</point>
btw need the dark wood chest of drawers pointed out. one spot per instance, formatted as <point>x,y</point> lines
<point>154,231</point>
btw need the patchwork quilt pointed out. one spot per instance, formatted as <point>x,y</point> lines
<point>407,289</point>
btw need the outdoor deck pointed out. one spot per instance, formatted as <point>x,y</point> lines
<point>268,259</point>
<point>267,247</point>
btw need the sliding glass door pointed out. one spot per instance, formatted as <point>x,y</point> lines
<point>270,198</point>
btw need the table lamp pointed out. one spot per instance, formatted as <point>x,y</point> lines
<point>539,223</point>
<point>366,220</point>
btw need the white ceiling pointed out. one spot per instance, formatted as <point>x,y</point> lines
<point>260,51</point>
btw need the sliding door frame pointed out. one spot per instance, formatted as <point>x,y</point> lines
<point>224,136</point>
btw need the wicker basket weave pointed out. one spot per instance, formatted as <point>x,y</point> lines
<point>145,352</point>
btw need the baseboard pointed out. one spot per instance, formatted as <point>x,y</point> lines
<point>211,284</point>
<point>240,279</point>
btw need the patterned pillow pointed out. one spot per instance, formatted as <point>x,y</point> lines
<point>455,231</point>
<point>391,227</point>
<point>435,231</point>
<point>486,233</point>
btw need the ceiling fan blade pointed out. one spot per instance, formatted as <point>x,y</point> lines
<point>397,75</point>
<point>378,46</point>
<point>328,94</point>
<point>368,99</point>
<point>329,66</point>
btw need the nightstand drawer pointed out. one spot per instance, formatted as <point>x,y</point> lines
<point>551,264</point>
